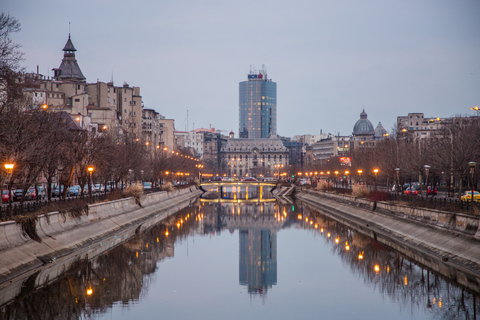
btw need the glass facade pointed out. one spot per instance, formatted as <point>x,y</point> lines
<point>258,107</point>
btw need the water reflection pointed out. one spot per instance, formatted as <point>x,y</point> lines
<point>124,274</point>
<point>241,191</point>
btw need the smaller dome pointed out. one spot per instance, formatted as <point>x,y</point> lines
<point>380,130</point>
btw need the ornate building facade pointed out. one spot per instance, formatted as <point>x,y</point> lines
<point>254,157</point>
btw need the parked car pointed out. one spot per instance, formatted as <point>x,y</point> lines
<point>99,187</point>
<point>31,194</point>
<point>17,194</point>
<point>247,179</point>
<point>74,190</point>
<point>5,196</point>
<point>411,191</point>
<point>56,191</point>
<point>467,196</point>
<point>147,185</point>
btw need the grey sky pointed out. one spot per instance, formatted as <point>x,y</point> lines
<point>330,59</point>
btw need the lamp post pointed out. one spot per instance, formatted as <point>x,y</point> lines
<point>346,175</point>
<point>9,168</point>
<point>472,171</point>
<point>375,171</point>
<point>90,170</point>
<point>359,175</point>
<point>336,179</point>
<point>397,171</point>
<point>427,170</point>
<point>451,189</point>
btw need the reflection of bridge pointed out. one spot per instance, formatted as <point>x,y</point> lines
<point>239,190</point>
<point>237,200</point>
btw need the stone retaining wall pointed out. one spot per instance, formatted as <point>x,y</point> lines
<point>62,234</point>
<point>451,221</point>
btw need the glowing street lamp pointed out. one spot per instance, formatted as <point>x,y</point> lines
<point>90,170</point>
<point>9,167</point>
<point>375,171</point>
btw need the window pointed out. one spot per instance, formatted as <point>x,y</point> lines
<point>134,102</point>
<point>134,113</point>
<point>77,100</point>
<point>125,110</point>
<point>108,99</point>
<point>78,87</point>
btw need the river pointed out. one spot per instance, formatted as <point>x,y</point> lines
<point>246,259</point>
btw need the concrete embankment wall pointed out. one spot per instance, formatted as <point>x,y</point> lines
<point>61,235</point>
<point>443,241</point>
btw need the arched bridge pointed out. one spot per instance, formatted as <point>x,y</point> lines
<point>238,189</point>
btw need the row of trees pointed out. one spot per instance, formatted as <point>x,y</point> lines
<point>49,147</point>
<point>443,156</point>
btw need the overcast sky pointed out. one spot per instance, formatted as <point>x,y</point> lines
<point>330,59</point>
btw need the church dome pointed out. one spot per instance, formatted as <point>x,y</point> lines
<point>363,126</point>
<point>380,130</point>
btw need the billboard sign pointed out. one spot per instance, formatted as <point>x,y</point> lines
<point>346,161</point>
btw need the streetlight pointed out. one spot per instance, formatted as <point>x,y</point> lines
<point>336,179</point>
<point>375,171</point>
<point>9,167</point>
<point>359,175</point>
<point>427,170</point>
<point>346,175</point>
<point>397,170</point>
<point>90,170</point>
<point>472,171</point>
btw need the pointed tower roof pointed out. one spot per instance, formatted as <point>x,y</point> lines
<point>69,68</point>
<point>69,47</point>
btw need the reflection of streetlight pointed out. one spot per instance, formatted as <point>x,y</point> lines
<point>472,171</point>
<point>376,268</point>
<point>89,291</point>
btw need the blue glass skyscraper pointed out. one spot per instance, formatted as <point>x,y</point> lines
<point>258,106</point>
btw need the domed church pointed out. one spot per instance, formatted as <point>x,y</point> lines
<point>363,127</point>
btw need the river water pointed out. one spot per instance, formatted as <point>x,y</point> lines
<point>246,260</point>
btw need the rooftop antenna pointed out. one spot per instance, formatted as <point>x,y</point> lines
<point>111,80</point>
<point>69,30</point>
<point>187,120</point>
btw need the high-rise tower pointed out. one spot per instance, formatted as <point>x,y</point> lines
<point>258,106</point>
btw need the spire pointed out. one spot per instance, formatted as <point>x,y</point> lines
<point>69,69</point>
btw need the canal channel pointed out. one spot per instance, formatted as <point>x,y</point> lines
<point>236,258</point>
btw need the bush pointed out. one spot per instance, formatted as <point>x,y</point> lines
<point>324,185</point>
<point>135,191</point>
<point>360,191</point>
<point>167,187</point>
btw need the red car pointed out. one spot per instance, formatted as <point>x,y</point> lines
<point>5,196</point>
<point>413,191</point>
